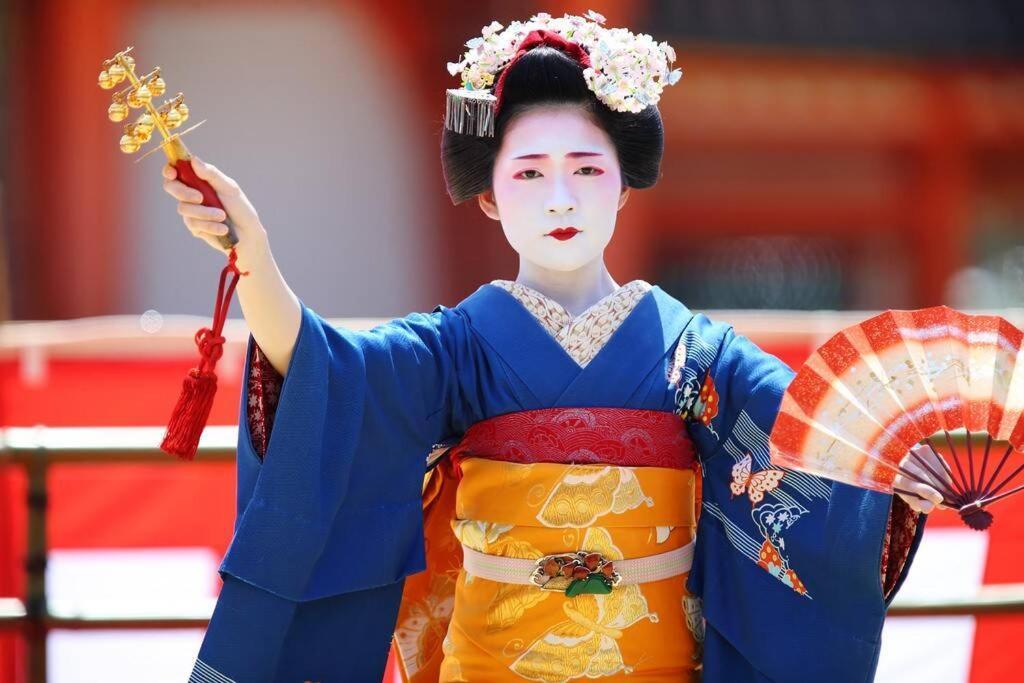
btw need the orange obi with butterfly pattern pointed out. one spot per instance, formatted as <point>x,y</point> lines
<point>599,504</point>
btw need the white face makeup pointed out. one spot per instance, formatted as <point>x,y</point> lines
<point>556,169</point>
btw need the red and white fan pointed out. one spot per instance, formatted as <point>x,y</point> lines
<point>879,388</point>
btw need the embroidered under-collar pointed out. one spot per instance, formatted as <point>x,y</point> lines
<point>585,335</point>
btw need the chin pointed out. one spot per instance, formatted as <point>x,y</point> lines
<point>567,264</point>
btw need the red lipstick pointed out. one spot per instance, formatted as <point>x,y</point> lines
<point>563,234</point>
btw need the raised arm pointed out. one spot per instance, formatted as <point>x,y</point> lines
<point>330,502</point>
<point>745,389</point>
<point>837,554</point>
<point>271,309</point>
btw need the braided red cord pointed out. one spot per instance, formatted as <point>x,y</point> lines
<point>192,410</point>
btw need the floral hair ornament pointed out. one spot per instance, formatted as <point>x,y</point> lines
<point>626,71</point>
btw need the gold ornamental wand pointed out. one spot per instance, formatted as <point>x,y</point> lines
<point>193,407</point>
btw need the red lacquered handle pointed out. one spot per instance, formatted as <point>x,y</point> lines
<point>188,176</point>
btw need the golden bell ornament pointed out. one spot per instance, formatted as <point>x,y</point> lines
<point>129,144</point>
<point>183,110</point>
<point>172,118</point>
<point>139,97</point>
<point>142,135</point>
<point>145,122</point>
<point>117,111</point>
<point>157,86</point>
<point>106,81</point>
<point>117,72</point>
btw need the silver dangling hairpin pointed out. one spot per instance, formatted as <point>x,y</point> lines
<point>470,112</point>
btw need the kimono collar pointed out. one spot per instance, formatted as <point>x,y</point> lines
<point>583,335</point>
<point>552,376</point>
<point>558,314</point>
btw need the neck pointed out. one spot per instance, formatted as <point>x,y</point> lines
<point>575,290</point>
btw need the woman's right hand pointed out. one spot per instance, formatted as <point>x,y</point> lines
<point>207,222</point>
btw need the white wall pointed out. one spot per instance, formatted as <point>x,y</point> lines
<point>309,116</point>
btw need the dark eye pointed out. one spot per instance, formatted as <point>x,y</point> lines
<point>595,171</point>
<point>522,174</point>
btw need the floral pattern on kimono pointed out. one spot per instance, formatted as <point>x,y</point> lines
<point>691,377</point>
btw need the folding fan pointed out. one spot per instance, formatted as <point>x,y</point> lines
<point>876,389</point>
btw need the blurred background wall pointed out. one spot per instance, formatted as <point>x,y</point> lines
<point>820,154</point>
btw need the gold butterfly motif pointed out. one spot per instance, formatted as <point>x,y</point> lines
<point>451,667</point>
<point>480,535</point>
<point>510,600</point>
<point>586,642</point>
<point>585,493</point>
<point>693,612</point>
<point>426,625</point>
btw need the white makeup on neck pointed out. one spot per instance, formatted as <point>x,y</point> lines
<point>555,169</point>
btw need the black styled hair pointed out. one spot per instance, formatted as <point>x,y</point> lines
<point>548,76</point>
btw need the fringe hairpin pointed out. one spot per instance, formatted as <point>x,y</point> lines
<point>470,112</point>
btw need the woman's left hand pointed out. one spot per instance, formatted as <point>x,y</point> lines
<point>927,497</point>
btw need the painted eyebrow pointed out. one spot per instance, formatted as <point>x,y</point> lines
<point>570,155</point>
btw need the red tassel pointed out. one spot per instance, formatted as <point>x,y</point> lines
<point>196,400</point>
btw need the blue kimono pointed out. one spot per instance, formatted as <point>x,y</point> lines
<point>330,522</point>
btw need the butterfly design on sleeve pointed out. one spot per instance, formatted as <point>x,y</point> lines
<point>754,485</point>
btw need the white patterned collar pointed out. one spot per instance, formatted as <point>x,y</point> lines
<point>584,335</point>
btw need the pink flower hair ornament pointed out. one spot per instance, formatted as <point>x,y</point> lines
<point>627,72</point>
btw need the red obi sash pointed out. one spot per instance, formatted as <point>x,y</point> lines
<point>574,436</point>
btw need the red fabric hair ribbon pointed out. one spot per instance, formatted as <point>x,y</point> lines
<point>535,39</point>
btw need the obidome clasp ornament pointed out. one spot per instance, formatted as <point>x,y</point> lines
<point>575,574</point>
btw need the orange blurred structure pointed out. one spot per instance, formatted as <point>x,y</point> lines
<point>892,166</point>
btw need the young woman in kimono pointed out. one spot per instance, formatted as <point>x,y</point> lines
<point>563,412</point>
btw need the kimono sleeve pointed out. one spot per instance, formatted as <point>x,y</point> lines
<point>789,566</point>
<point>356,414</point>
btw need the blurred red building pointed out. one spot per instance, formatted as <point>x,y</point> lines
<point>864,156</point>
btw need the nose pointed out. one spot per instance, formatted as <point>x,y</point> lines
<point>561,200</point>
